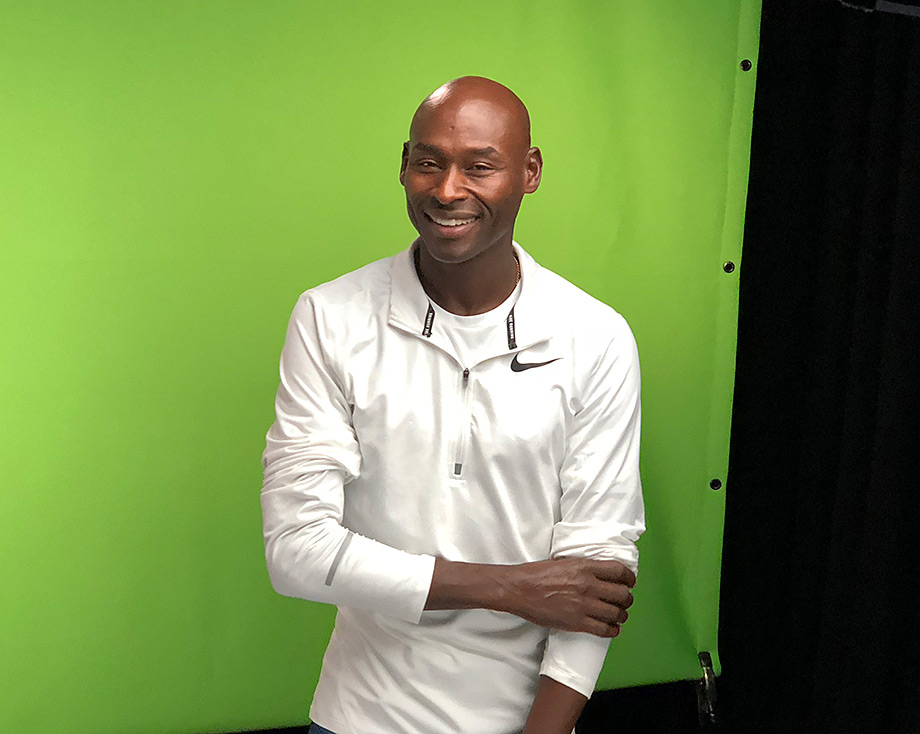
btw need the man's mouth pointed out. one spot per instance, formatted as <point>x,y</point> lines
<point>451,220</point>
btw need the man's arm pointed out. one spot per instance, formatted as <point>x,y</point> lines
<point>555,709</point>
<point>311,452</point>
<point>574,594</point>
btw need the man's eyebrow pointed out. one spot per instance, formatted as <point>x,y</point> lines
<point>435,150</point>
<point>428,148</point>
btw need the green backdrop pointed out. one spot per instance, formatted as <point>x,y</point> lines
<point>174,174</point>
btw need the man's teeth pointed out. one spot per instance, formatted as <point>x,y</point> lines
<point>449,222</point>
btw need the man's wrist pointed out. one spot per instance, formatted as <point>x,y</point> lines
<point>458,585</point>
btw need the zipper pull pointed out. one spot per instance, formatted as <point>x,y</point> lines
<point>466,376</point>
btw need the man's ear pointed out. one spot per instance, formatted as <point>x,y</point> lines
<point>404,163</point>
<point>533,170</point>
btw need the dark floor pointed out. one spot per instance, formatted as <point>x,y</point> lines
<point>666,708</point>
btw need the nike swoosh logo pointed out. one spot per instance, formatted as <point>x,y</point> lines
<point>521,366</point>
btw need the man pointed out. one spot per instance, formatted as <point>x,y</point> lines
<point>454,462</point>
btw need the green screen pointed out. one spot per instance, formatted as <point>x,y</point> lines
<point>174,175</point>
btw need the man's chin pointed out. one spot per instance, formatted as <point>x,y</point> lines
<point>449,251</point>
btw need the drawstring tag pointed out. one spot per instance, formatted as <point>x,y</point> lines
<point>429,321</point>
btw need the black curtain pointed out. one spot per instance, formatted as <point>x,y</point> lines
<point>820,603</point>
<point>820,608</point>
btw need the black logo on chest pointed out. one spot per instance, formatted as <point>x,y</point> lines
<point>517,366</point>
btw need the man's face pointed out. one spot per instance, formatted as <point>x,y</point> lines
<point>465,169</point>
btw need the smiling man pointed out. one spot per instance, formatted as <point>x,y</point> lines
<point>455,457</point>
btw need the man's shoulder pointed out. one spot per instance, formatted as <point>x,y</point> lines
<point>597,337</point>
<point>364,284</point>
<point>585,316</point>
<point>362,291</point>
<point>347,308</point>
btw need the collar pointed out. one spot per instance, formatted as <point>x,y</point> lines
<point>409,304</point>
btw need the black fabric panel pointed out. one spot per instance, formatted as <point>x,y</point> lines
<point>820,597</point>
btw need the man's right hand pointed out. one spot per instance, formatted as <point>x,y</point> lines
<point>576,594</point>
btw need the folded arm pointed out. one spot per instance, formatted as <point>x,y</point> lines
<point>311,452</point>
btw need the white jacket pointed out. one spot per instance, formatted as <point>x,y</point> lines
<point>387,452</point>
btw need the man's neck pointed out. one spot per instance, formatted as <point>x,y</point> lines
<point>472,287</point>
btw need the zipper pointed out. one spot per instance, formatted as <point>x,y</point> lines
<point>455,469</point>
<point>465,425</point>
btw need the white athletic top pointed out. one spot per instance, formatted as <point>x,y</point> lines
<point>389,448</point>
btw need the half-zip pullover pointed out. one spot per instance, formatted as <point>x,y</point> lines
<point>390,447</point>
<point>474,339</point>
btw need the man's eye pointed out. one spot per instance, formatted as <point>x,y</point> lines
<point>481,167</point>
<point>426,164</point>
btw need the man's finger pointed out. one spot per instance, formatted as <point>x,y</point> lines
<point>609,613</point>
<point>600,628</point>
<point>613,571</point>
<point>615,594</point>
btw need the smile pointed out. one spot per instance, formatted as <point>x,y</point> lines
<point>445,221</point>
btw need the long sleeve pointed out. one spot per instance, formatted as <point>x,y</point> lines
<point>311,454</point>
<point>602,512</point>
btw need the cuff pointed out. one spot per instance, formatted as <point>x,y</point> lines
<point>373,576</point>
<point>574,659</point>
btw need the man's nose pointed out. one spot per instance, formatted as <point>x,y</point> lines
<point>450,187</point>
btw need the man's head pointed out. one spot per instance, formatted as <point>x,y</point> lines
<point>466,167</point>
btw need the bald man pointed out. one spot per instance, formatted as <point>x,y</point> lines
<point>455,457</point>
